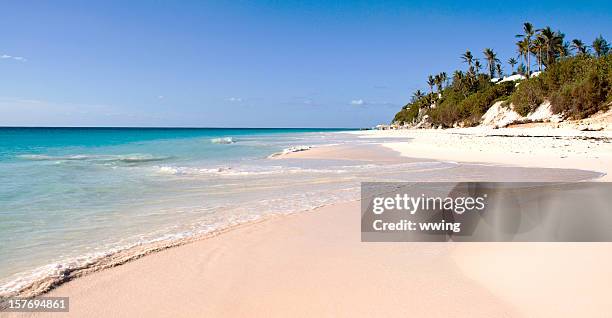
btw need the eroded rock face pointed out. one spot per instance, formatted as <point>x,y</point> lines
<point>425,122</point>
<point>544,114</point>
<point>500,115</point>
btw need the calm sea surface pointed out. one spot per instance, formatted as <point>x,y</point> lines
<point>69,196</point>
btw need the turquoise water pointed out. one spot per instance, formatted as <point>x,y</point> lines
<point>70,196</point>
<point>61,141</point>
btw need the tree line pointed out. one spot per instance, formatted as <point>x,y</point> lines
<point>537,49</point>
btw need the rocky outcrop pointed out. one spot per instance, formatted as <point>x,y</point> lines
<point>501,115</point>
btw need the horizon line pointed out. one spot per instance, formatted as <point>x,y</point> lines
<point>180,127</point>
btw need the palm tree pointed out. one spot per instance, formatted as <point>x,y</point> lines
<point>417,95</point>
<point>523,50</point>
<point>443,78</point>
<point>600,46</point>
<point>468,58</point>
<point>438,82</point>
<point>491,60</point>
<point>564,50</point>
<point>528,32</point>
<point>512,61</point>
<point>457,77</point>
<point>551,44</point>
<point>500,72</point>
<point>477,65</point>
<point>579,47</point>
<point>537,47</point>
<point>459,80</point>
<point>431,82</point>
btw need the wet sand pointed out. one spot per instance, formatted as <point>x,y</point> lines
<point>314,264</point>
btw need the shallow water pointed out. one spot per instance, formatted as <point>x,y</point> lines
<point>70,197</point>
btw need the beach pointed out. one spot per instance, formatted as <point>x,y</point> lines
<point>313,263</point>
<point>305,159</point>
<point>525,147</point>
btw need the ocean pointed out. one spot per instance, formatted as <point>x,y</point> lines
<point>70,197</point>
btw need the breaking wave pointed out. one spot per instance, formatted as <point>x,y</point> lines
<point>128,159</point>
<point>223,140</point>
<point>290,150</point>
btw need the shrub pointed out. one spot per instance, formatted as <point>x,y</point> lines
<point>408,114</point>
<point>578,87</point>
<point>529,95</point>
<point>579,100</point>
<point>456,107</point>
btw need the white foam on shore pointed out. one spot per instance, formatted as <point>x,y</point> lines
<point>44,278</point>
<point>242,171</point>
<point>210,221</point>
<point>173,170</point>
<point>139,195</point>
<point>128,158</point>
<point>311,186</point>
<point>290,150</point>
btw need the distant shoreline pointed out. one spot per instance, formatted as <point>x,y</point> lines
<point>171,127</point>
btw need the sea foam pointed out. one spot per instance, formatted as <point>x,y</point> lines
<point>128,158</point>
<point>223,140</point>
<point>290,150</point>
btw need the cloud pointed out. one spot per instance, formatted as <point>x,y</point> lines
<point>10,57</point>
<point>357,102</point>
<point>160,97</point>
<point>234,99</point>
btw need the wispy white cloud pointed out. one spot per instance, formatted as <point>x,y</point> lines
<point>10,57</point>
<point>234,99</point>
<point>357,102</point>
<point>160,97</point>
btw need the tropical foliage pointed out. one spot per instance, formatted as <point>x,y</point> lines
<point>576,78</point>
<point>577,87</point>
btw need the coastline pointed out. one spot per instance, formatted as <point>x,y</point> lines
<point>177,182</point>
<point>309,159</point>
<point>273,242</point>
<point>530,147</point>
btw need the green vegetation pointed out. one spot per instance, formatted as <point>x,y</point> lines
<point>577,85</point>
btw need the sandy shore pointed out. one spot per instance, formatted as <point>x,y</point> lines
<point>549,148</point>
<point>310,264</point>
<point>314,264</point>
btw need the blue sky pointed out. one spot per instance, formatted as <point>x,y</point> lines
<point>249,64</point>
